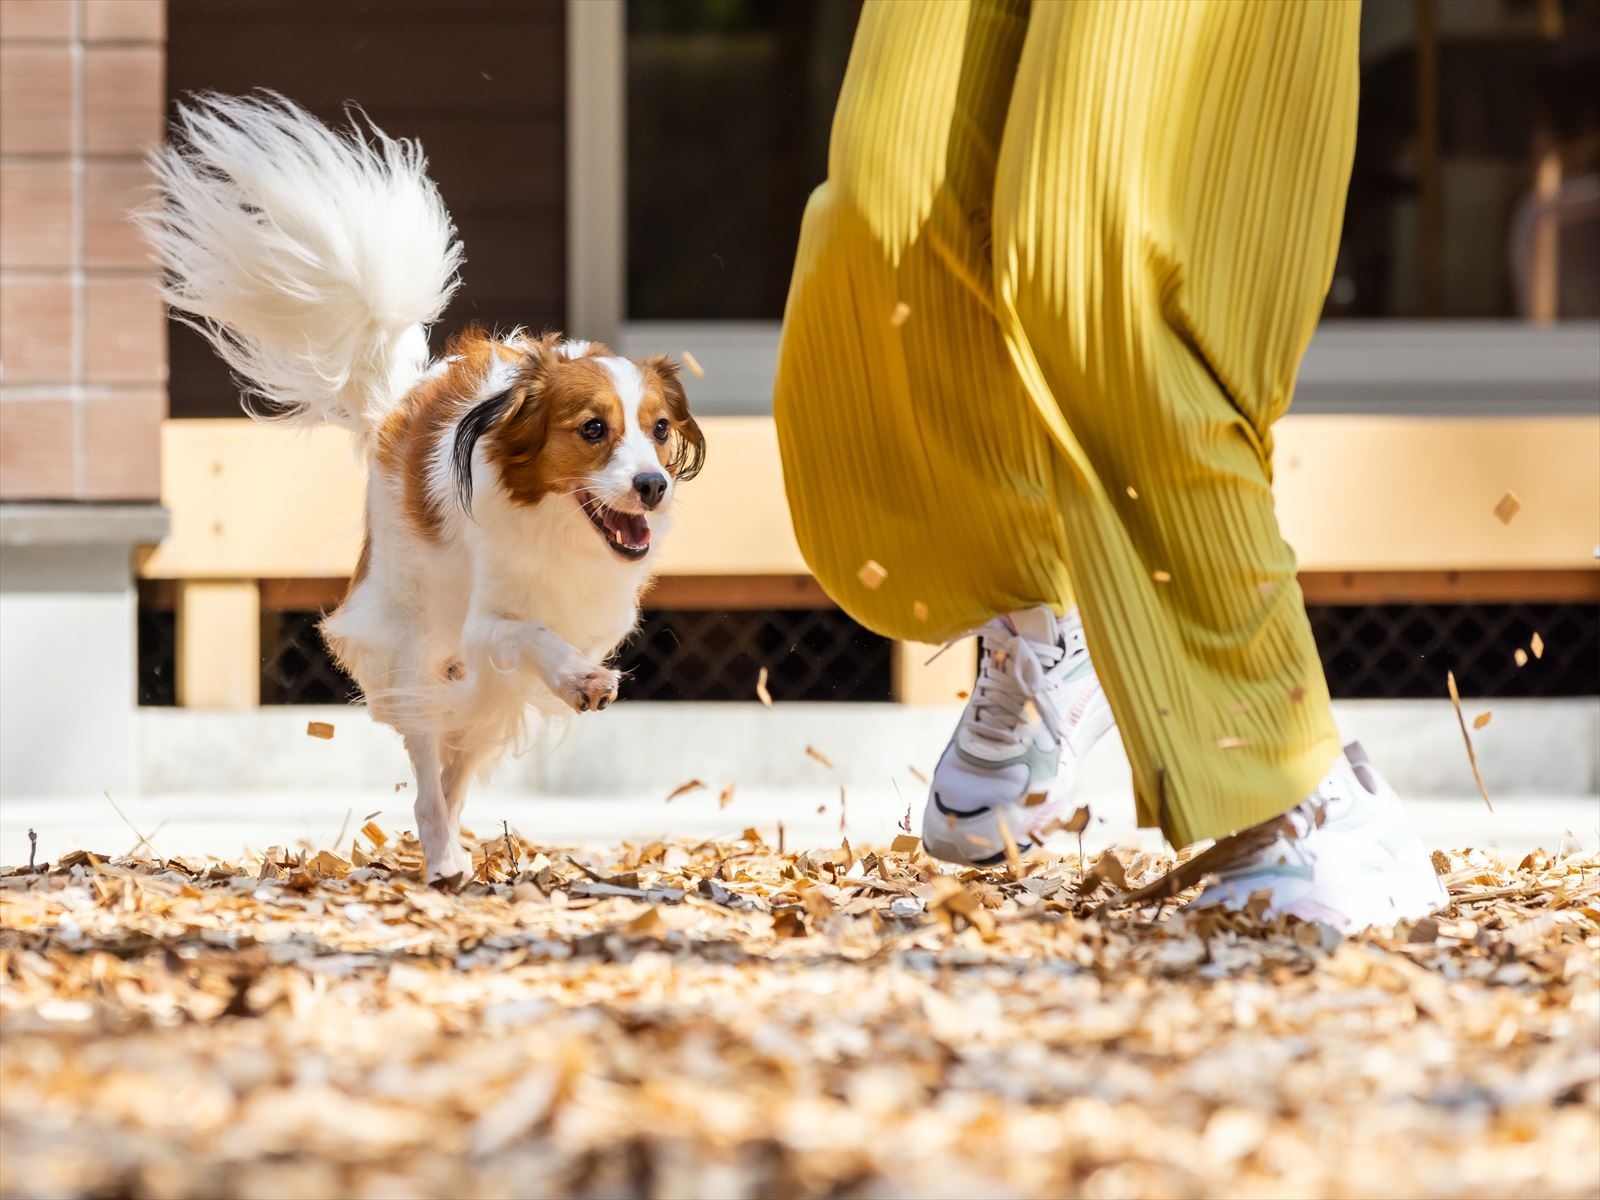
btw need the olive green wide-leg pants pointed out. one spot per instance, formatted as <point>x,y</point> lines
<point>1113,223</point>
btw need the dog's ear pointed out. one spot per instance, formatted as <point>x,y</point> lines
<point>515,416</point>
<point>688,443</point>
<point>479,420</point>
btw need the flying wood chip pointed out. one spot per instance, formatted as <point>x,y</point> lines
<point>320,729</point>
<point>1520,656</point>
<point>1536,644</point>
<point>727,796</point>
<point>1472,756</point>
<point>1161,576</point>
<point>1013,858</point>
<point>1482,719</point>
<point>819,756</point>
<point>693,364</point>
<point>1133,492</point>
<point>872,574</point>
<point>761,689</point>
<point>898,317</point>
<point>919,610</point>
<point>683,789</point>
<point>1508,508</point>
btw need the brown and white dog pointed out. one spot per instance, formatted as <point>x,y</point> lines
<point>517,486</point>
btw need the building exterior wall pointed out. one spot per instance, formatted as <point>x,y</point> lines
<point>83,384</point>
<point>82,332</point>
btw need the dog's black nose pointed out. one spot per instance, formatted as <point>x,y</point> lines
<point>651,486</point>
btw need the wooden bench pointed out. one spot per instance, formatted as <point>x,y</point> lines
<point>1378,509</point>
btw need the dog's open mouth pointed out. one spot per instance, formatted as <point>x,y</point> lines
<point>626,533</point>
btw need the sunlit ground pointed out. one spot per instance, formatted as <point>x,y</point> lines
<point>723,1019</point>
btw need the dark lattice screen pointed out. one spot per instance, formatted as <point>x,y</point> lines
<point>1404,650</point>
<point>1368,651</point>
<point>158,656</point>
<point>809,653</point>
<point>296,667</point>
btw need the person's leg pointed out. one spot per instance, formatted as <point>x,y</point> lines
<point>907,437</point>
<point>911,442</point>
<point>1167,213</point>
<point>1168,203</point>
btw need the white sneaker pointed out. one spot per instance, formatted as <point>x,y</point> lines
<point>1345,859</point>
<point>1035,710</point>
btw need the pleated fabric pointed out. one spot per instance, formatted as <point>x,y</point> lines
<point>1044,313</point>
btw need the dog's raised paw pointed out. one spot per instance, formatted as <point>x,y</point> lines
<point>590,687</point>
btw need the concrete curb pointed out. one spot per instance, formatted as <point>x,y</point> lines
<point>1531,747</point>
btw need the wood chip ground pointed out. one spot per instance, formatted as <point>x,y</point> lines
<point>722,1019</point>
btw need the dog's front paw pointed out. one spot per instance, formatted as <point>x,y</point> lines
<point>586,685</point>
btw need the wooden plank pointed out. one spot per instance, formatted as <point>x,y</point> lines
<point>1451,587</point>
<point>727,593</point>
<point>734,592</point>
<point>255,501</point>
<point>1418,493</point>
<point>915,680</point>
<point>219,644</point>
<point>302,595</point>
<point>734,519</point>
<point>1354,494</point>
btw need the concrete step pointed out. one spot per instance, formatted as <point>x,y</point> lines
<point>225,824</point>
<point>1530,747</point>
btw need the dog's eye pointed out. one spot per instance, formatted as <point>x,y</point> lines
<point>592,430</point>
<point>663,427</point>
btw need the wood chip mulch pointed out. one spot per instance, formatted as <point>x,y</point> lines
<point>721,1019</point>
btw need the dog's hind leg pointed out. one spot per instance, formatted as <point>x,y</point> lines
<point>461,763</point>
<point>448,865</point>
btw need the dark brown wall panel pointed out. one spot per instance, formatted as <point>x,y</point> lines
<point>480,82</point>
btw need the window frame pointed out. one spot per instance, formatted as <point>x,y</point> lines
<point>1394,366</point>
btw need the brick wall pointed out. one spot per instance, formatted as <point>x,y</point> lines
<point>83,347</point>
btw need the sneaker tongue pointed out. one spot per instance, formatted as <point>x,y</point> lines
<point>1038,625</point>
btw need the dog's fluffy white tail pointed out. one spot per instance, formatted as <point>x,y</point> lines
<point>312,260</point>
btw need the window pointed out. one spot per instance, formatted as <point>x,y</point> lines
<point>1476,189</point>
<point>1475,194</point>
<point>729,105</point>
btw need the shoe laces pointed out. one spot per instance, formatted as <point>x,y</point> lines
<point>1013,678</point>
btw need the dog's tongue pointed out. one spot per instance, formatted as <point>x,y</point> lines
<point>632,527</point>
